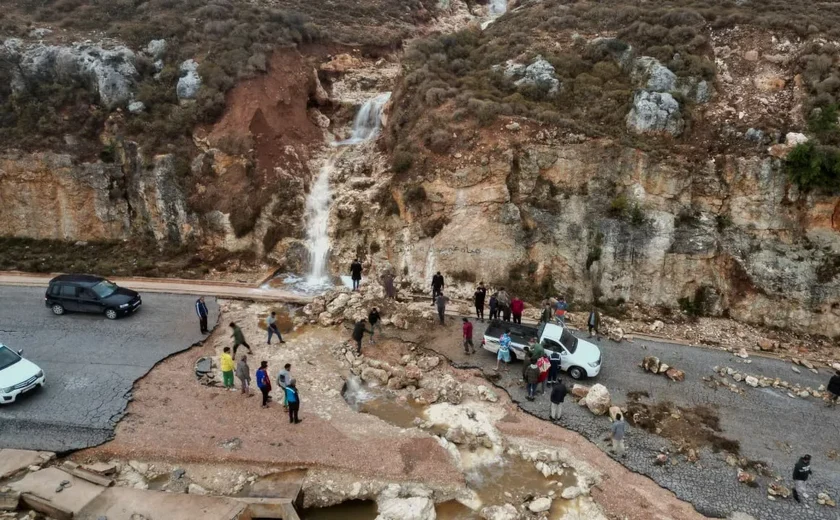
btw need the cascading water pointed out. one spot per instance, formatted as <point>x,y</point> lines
<point>366,126</point>
<point>497,8</point>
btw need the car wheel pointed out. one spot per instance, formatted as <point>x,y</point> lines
<point>111,314</point>
<point>57,309</point>
<point>576,373</point>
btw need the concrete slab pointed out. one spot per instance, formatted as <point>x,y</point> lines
<point>120,503</point>
<point>44,483</point>
<point>13,461</point>
<point>276,508</point>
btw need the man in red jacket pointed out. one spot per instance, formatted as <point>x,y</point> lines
<point>517,306</point>
<point>468,342</point>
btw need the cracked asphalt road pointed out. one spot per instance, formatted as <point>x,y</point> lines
<point>91,364</point>
<point>770,426</point>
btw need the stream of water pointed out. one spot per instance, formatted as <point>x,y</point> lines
<point>497,8</point>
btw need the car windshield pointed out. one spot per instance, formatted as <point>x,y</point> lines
<point>104,288</point>
<point>7,357</point>
<point>569,341</point>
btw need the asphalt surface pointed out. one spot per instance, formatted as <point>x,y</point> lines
<point>771,427</point>
<point>91,364</point>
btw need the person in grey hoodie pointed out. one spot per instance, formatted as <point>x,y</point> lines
<point>243,372</point>
<point>617,430</point>
<point>441,306</point>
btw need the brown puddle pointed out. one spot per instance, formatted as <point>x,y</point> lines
<point>350,510</point>
<point>284,319</point>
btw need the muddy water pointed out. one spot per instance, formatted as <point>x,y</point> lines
<point>284,318</point>
<point>350,510</point>
<point>506,479</point>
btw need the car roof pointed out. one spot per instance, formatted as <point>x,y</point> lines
<point>78,278</point>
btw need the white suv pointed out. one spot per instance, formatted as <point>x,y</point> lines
<point>17,375</point>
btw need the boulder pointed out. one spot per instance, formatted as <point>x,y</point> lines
<point>651,364</point>
<point>540,505</point>
<point>664,367</point>
<point>374,376</point>
<point>580,390</point>
<point>742,353</point>
<point>651,75</point>
<point>190,82</point>
<point>485,394</point>
<point>661,459</point>
<point>539,73</point>
<point>617,334</point>
<point>751,381</point>
<point>338,305</point>
<point>655,113</point>
<point>325,319</point>
<point>656,326</point>
<point>614,411</point>
<point>414,508</point>
<point>776,489</point>
<point>136,107</point>
<point>746,478</point>
<point>598,399</point>
<point>571,493</point>
<point>195,489</point>
<point>675,374</point>
<point>766,345</point>
<point>427,363</point>
<point>342,63</point>
<point>156,49</point>
<point>413,374</point>
<point>505,512</point>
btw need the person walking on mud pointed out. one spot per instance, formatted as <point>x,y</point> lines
<point>503,355</point>
<point>441,307</point>
<point>226,366</point>
<point>558,395</point>
<point>801,472</point>
<point>468,337</point>
<point>517,307</point>
<point>264,382</point>
<point>243,373</point>
<point>494,306</point>
<point>437,286</point>
<point>375,323</point>
<point>617,430</point>
<point>271,324</point>
<point>293,401</point>
<point>238,339</point>
<point>478,297</point>
<point>201,311</point>
<point>356,273</point>
<point>359,330</point>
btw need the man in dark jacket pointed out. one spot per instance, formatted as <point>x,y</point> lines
<point>503,300</point>
<point>554,371</point>
<point>441,307</point>
<point>238,339</point>
<point>375,322</point>
<point>834,389</point>
<point>201,310</point>
<point>358,333</point>
<point>801,472</point>
<point>594,323</point>
<point>356,273</point>
<point>494,307</point>
<point>558,395</point>
<point>478,297</point>
<point>437,286</point>
<point>532,375</point>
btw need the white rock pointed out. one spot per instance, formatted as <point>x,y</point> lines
<point>414,508</point>
<point>752,381</point>
<point>570,493</point>
<point>135,107</point>
<point>598,399</point>
<point>195,489</point>
<point>485,394</point>
<point>540,505</point>
<point>190,82</point>
<point>139,467</point>
<point>505,512</point>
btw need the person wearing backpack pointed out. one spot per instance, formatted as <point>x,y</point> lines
<point>264,382</point>
<point>558,395</point>
<point>293,400</point>
<point>532,375</point>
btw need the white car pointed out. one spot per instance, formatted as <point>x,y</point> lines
<point>578,357</point>
<point>17,375</point>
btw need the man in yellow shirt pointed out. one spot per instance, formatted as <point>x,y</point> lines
<point>226,364</point>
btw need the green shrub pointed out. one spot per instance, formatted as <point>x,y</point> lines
<point>414,195</point>
<point>813,166</point>
<point>630,211</point>
<point>463,276</point>
<point>402,161</point>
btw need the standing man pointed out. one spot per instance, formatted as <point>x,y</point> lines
<point>532,375</point>
<point>517,307</point>
<point>356,273</point>
<point>293,400</point>
<point>554,371</point>
<point>264,382</point>
<point>494,306</point>
<point>238,339</point>
<point>560,309</point>
<point>545,317</point>
<point>617,434</point>
<point>226,365</point>
<point>201,310</point>
<point>243,373</point>
<point>503,300</point>
<point>271,322</point>
<point>834,389</point>
<point>479,296</point>
<point>558,395</point>
<point>801,472</point>
<point>468,337</point>
<point>283,379</point>
<point>375,322</point>
<point>388,285</point>
<point>504,350</point>
<point>437,286</point>
<point>594,322</point>
<point>441,306</point>
<point>358,333</point>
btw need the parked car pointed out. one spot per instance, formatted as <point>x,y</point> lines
<point>17,375</point>
<point>578,357</point>
<point>87,293</point>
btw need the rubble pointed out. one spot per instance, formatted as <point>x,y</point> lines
<point>653,365</point>
<point>824,499</point>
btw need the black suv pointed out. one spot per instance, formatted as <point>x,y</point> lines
<point>86,293</point>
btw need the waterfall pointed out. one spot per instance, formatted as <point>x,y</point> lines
<point>497,8</point>
<point>368,120</point>
<point>366,126</point>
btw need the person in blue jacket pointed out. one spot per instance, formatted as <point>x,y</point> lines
<point>201,310</point>
<point>264,382</point>
<point>293,401</point>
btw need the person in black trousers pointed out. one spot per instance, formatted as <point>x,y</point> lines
<point>293,400</point>
<point>437,286</point>
<point>201,310</point>
<point>356,273</point>
<point>479,296</point>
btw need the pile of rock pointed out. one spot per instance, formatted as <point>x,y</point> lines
<point>402,503</point>
<point>824,499</point>
<point>596,398</point>
<point>342,304</point>
<point>793,390</point>
<point>653,365</point>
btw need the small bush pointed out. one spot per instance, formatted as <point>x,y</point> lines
<point>629,211</point>
<point>813,166</point>
<point>402,161</point>
<point>463,276</point>
<point>431,228</point>
<point>414,195</point>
